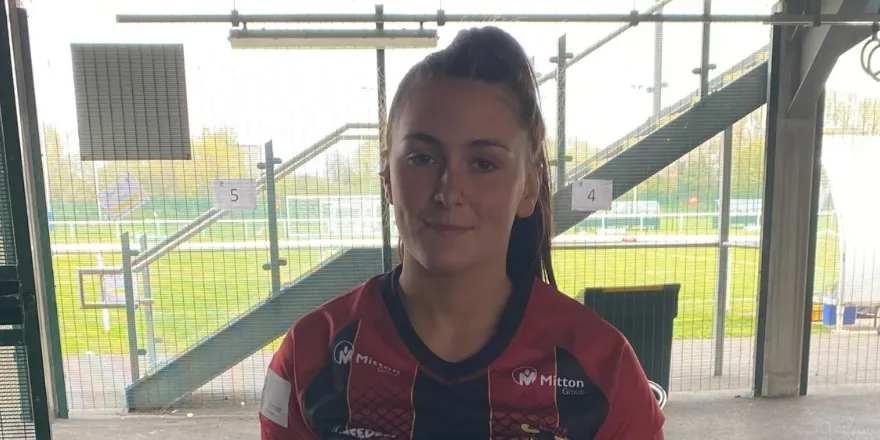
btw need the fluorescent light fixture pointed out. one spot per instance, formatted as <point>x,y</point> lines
<point>332,38</point>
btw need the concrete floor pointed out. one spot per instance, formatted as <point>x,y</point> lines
<point>841,412</point>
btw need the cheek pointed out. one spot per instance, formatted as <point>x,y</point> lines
<point>498,201</point>
<point>411,186</point>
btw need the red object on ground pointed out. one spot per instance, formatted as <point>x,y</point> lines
<point>693,201</point>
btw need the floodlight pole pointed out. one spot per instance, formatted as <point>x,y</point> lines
<point>383,127</point>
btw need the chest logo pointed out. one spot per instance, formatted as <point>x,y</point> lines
<point>343,352</point>
<point>524,376</point>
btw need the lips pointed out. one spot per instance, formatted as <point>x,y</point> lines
<point>449,228</point>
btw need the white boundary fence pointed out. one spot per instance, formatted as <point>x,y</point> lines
<point>161,224</point>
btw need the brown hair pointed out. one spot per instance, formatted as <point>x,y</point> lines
<point>493,56</point>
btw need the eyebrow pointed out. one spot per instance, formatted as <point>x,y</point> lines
<point>436,142</point>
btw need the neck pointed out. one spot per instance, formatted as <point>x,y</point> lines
<point>468,300</point>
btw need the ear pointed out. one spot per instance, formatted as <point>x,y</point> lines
<point>531,190</point>
<point>385,175</point>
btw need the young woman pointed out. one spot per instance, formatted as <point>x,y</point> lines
<point>468,338</point>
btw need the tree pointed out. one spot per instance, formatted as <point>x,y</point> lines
<point>68,179</point>
<point>215,155</point>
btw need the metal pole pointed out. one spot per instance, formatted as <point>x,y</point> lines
<point>721,292</point>
<point>148,309</point>
<point>704,58</point>
<point>97,190</point>
<point>657,7</point>
<point>130,318</point>
<point>441,18</point>
<point>275,261</point>
<point>657,89</point>
<point>561,60</point>
<point>812,243</point>
<point>383,127</point>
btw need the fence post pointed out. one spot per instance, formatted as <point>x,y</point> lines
<point>275,261</point>
<point>128,282</point>
<point>561,60</point>
<point>148,309</point>
<point>721,291</point>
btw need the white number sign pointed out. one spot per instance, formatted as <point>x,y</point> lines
<point>235,194</point>
<point>591,195</point>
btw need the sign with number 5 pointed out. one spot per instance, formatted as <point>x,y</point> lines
<point>235,194</point>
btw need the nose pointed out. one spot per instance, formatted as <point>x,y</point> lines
<point>450,186</point>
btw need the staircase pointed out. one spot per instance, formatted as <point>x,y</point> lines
<point>669,113</point>
<point>641,154</point>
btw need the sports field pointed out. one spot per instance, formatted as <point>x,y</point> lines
<point>197,292</point>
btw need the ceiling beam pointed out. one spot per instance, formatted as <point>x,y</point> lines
<point>821,47</point>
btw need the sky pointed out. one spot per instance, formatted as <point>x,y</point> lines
<point>295,97</point>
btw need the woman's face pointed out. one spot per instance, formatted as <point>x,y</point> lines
<point>458,174</point>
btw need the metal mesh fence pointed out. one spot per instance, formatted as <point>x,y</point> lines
<point>16,416</point>
<point>845,347</point>
<point>190,311</point>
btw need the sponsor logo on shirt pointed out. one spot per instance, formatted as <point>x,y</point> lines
<point>343,354</point>
<point>360,432</point>
<point>525,376</point>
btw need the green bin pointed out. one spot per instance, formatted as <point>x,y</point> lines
<point>645,315</point>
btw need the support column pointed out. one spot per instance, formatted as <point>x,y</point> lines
<point>791,172</point>
<point>37,192</point>
<point>17,261</point>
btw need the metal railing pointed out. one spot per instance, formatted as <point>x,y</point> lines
<point>670,112</point>
<point>212,215</point>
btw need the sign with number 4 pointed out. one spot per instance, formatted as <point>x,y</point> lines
<point>235,194</point>
<point>591,195</point>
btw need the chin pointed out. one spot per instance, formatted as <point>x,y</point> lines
<point>442,261</point>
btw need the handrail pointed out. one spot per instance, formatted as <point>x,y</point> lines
<point>210,216</point>
<point>725,78</point>
<point>603,41</point>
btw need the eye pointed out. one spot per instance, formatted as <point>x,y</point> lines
<point>484,165</point>
<point>421,159</point>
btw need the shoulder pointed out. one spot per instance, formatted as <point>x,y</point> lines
<point>333,317</point>
<point>606,357</point>
<point>577,327</point>
<point>305,349</point>
<point>598,348</point>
